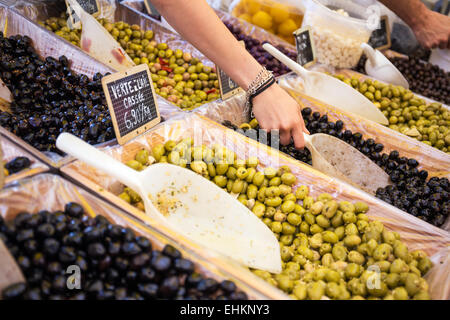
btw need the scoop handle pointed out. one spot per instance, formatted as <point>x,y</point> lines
<point>83,151</point>
<point>291,64</point>
<point>370,53</point>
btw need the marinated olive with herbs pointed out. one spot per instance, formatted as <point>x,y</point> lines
<point>176,75</point>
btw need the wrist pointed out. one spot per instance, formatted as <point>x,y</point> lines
<point>418,17</point>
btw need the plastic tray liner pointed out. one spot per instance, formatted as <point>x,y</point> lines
<point>416,233</point>
<point>50,192</point>
<point>436,162</point>
<point>11,151</point>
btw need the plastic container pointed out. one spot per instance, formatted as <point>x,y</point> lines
<point>441,58</point>
<point>337,38</point>
<point>278,17</point>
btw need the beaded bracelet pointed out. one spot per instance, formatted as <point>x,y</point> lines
<point>263,80</point>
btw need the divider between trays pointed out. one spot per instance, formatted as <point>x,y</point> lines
<point>416,233</point>
<point>52,192</point>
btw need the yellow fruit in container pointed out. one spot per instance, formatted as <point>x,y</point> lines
<point>246,17</point>
<point>287,27</point>
<point>262,19</point>
<point>279,12</point>
<point>253,6</point>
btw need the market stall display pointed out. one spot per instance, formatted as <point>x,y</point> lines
<point>180,78</point>
<point>272,192</point>
<point>49,224</point>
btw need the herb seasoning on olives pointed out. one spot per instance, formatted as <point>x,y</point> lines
<point>49,98</point>
<point>114,262</point>
<point>410,191</point>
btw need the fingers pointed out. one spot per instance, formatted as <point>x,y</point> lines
<point>299,139</point>
<point>285,136</point>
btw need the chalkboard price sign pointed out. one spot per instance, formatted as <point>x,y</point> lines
<point>90,6</point>
<point>381,38</point>
<point>151,10</point>
<point>305,47</point>
<point>131,101</point>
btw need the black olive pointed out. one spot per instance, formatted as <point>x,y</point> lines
<point>33,294</point>
<point>45,230</point>
<point>161,263</point>
<point>169,287</point>
<point>50,247</point>
<point>96,250</point>
<point>67,255</point>
<point>14,291</point>
<point>24,263</point>
<point>171,252</point>
<point>131,248</point>
<point>74,210</point>
<point>24,235</point>
<point>184,265</point>
<point>207,285</point>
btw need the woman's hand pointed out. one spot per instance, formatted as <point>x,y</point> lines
<point>433,31</point>
<point>275,109</point>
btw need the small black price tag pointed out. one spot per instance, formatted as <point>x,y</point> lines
<point>131,101</point>
<point>381,38</point>
<point>228,88</point>
<point>152,11</point>
<point>90,6</point>
<point>305,47</point>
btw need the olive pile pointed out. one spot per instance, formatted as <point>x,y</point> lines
<point>254,46</point>
<point>328,249</point>
<point>409,191</point>
<point>49,98</point>
<point>424,78</point>
<point>114,262</point>
<point>16,165</point>
<point>178,77</point>
<point>406,112</point>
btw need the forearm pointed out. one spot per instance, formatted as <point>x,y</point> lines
<point>410,11</point>
<point>196,22</point>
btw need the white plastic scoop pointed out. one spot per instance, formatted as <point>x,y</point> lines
<point>336,158</point>
<point>191,205</point>
<point>379,67</point>
<point>331,90</point>
<point>97,42</point>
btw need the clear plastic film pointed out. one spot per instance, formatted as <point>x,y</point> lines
<point>48,44</point>
<point>11,151</point>
<point>416,233</point>
<point>50,192</point>
<point>280,17</point>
